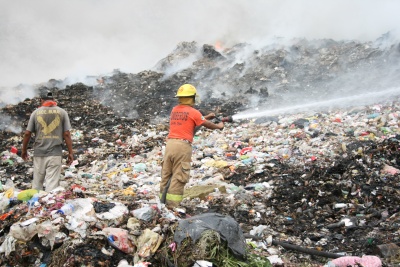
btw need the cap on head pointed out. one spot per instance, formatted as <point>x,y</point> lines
<point>47,95</point>
<point>186,90</point>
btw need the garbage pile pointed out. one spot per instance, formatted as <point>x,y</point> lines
<point>233,79</point>
<point>311,188</point>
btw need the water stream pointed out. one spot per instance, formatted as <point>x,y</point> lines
<point>343,102</point>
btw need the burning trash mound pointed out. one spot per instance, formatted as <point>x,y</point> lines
<point>308,188</point>
<point>234,79</point>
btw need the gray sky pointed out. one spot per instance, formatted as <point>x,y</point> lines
<point>45,39</point>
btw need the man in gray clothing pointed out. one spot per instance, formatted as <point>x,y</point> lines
<point>51,126</point>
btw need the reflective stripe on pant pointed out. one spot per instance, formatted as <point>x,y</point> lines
<point>176,165</point>
<point>46,169</point>
<point>172,200</point>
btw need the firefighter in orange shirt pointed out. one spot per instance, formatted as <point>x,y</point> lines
<point>184,121</point>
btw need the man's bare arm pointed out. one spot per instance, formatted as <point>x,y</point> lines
<point>212,126</point>
<point>25,142</point>
<point>68,142</point>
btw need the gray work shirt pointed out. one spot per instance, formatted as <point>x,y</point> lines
<point>48,124</point>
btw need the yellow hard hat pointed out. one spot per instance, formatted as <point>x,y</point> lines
<point>186,90</point>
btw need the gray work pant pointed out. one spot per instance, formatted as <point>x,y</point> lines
<point>46,169</point>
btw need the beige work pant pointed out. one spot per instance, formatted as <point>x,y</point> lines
<point>46,169</point>
<point>176,166</point>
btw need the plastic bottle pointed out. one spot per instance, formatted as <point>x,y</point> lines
<point>32,202</point>
<point>67,209</point>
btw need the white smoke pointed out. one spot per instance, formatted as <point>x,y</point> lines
<point>9,124</point>
<point>44,39</point>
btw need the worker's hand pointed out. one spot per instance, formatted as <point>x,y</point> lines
<point>70,159</point>
<point>220,125</point>
<point>210,116</point>
<point>24,155</point>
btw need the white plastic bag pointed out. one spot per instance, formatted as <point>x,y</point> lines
<point>24,231</point>
<point>145,213</point>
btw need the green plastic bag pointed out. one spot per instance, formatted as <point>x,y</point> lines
<point>27,194</point>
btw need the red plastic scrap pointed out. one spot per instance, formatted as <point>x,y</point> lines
<point>26,253</point>
<point>245,150</point>
<point>14,150</point>
<point>76,186</point>
<point>6,215</point>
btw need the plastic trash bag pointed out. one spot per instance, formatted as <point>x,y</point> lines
<point>83,209</point>
<point>390,170</point>
<point>145,213</point>
<point>118,238</point>
<point>26,195</point>
<point>118,211</point>
<point>124,263</point>
<point>226,226</point>
<point>48,231</point>
<point>8,245</point>
<point>4,203</point>
<point>133,224</point>
<point>275,259</point>
<point>100,207</point>
<point>258,230</point>
<point>140,167</point>
<point>370,261</point>
<point>203,263</point>
<point>148,243</point>
<point>77,225</point>
<point>24,231</point>
<point>9,193</point>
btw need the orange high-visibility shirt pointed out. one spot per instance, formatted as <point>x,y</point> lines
<point>183,121</point>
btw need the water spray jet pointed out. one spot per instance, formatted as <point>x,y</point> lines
<point>343,102</point>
